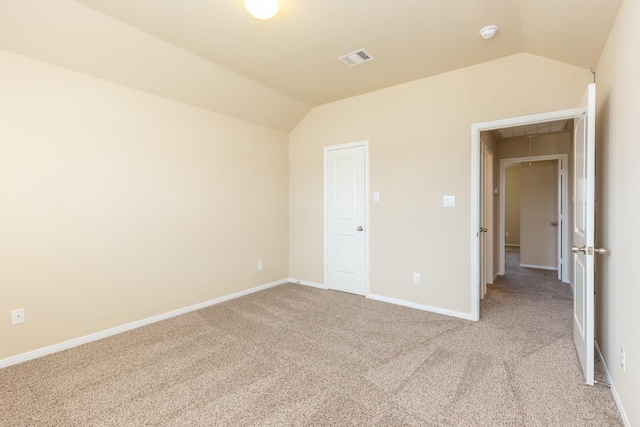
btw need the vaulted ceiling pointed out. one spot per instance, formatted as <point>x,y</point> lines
<point>292,58</point>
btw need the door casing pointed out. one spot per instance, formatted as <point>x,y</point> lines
<point>476,128</point>
<point>563,211</point>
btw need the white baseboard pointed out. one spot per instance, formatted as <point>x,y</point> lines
<point>539,267</point>
<point>616,396</point>
<point>466,316</point>
<point>34,354</point>
<point>403,303</point>
<point>307,283</point>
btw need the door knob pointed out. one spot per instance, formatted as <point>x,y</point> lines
<point>360,228</point>
<point>589,250</point>
<point>554,223</point>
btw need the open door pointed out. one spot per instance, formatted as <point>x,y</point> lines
<point>486,219</point>
<point>482,247</point>
<point>584,233</point>
<point>489,220</point>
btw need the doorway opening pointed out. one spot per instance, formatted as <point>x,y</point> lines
<point>479,196</point>
<point>540,199</point>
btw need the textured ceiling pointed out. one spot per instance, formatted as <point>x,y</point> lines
<point>296,52</point>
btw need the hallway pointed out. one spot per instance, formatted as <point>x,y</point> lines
<point>533,306</point>
<point>529,282</point>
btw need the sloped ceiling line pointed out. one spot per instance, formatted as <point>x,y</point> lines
<point>214,55</point>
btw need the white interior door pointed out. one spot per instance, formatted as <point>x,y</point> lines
<point>584,233</point>
<point>489,219</point>
<point>482,270</point>
<point>345,223</point>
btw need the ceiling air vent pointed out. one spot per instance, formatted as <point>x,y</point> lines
<point>356,58</point>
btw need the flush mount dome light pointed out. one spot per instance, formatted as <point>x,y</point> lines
<point>262,9</point>
<point>488,31</point>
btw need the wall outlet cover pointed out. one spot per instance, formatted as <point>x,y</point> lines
<point>17,316</point>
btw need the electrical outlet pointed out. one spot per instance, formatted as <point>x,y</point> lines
<point>448,201</point>
<point>416,278</point>
<point>259,265</point>
<point>17,316</point>
<point>506,234</point>
<point>623,362</point>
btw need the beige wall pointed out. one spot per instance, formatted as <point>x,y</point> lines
<point>512,205</point>
<point>118,205</point>
<point>618,142</point>
<point>538,208</point>
<point>419,136</point>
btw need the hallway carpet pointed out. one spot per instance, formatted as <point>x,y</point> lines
<point>299,356</point>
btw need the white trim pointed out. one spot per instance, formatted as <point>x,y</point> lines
<point>65,345</point>
<point>364,144</point>
<point>307,283</point>
<point>422,307</point>
<point>614,391</point>
<point>476,128</point>
<point>539,267</point>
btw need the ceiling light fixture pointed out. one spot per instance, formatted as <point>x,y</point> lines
<point>488,31</point>
<point>262,9</point>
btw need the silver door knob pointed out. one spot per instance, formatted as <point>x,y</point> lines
<point>589,250</point>
<point>360,228</point>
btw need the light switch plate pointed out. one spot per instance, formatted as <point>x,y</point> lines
<point>448,201</point>
<point>376,196</point>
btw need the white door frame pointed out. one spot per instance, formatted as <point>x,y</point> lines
<point>364,144</point>
<point>476,128</point>
<point>563,210</point>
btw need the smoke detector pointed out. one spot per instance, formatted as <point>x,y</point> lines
<point>356,58</point>
<point>488,32</point>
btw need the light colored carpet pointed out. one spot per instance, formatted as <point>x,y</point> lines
<point>293,355</point>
